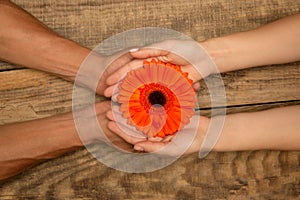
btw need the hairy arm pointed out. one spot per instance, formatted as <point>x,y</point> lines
<point>25,144</point>
<point>26,41</point>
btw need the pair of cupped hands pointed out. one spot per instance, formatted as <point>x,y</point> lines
<point>134,59</point>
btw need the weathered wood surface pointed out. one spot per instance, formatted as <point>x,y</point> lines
<point>27,94</point>
<point>89,22</point>
<point>237,175</point>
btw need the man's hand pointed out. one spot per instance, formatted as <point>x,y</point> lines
<point>114,67</point>
<point>28,42</point>
<point>25,144</point>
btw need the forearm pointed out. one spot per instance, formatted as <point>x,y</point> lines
<point>25,144</point>
<point>271,129</point>
<point>26,41</point>
<point>275,43</point>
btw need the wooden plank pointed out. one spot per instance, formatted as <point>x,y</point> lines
<point>235,175</point>
<point>28,94</point>
<point>245,108</point>
<point>4,66</point>
<point>90,22</point>
<point>77,175</point>
<point>256,85</point>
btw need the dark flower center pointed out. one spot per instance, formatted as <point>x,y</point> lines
<point>157,97</point>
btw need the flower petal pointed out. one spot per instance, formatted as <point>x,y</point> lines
<point>169,82</point>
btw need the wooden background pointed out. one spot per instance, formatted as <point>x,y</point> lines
<point>26,94</point>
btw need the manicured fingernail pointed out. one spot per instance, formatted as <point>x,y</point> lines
<point>138,148</point>
<point>133,50</point>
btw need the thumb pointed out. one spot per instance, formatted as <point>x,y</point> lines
<point>149,146</point>
<point>148,52</point>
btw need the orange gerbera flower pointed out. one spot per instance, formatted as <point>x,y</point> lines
<point>158,99</point>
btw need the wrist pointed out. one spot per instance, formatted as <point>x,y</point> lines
<point>219,51</point>
<point>39,139</point>
<point>235,134</point>
<point>227,139</point>
<point>62,57</point>
<point>244,131</point>
<point>61,135</point>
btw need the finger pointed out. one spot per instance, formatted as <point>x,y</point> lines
<point>149,146</point>
<point>148,52</point>
<point>109,115</point>
<point>121,73</point>
<point>165,59</point>
<point>102,107</point>
<point>168,138</point>
<point>108,92</point>
<point>112,91</point>
<point>128,138</point>
<point>118,60</point>
<point>196,86</point>
<point>123,125</point>
<point>155,139</point>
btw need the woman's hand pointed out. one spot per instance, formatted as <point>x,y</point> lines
<point>155,144</point>
<point>190,51</point>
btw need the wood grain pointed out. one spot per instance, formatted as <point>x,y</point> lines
<point>89,22</point>
<point>27,94</point>
<point>235,175</point>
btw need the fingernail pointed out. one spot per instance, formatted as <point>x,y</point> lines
<point>133,50</point>
<point>138,148</point>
